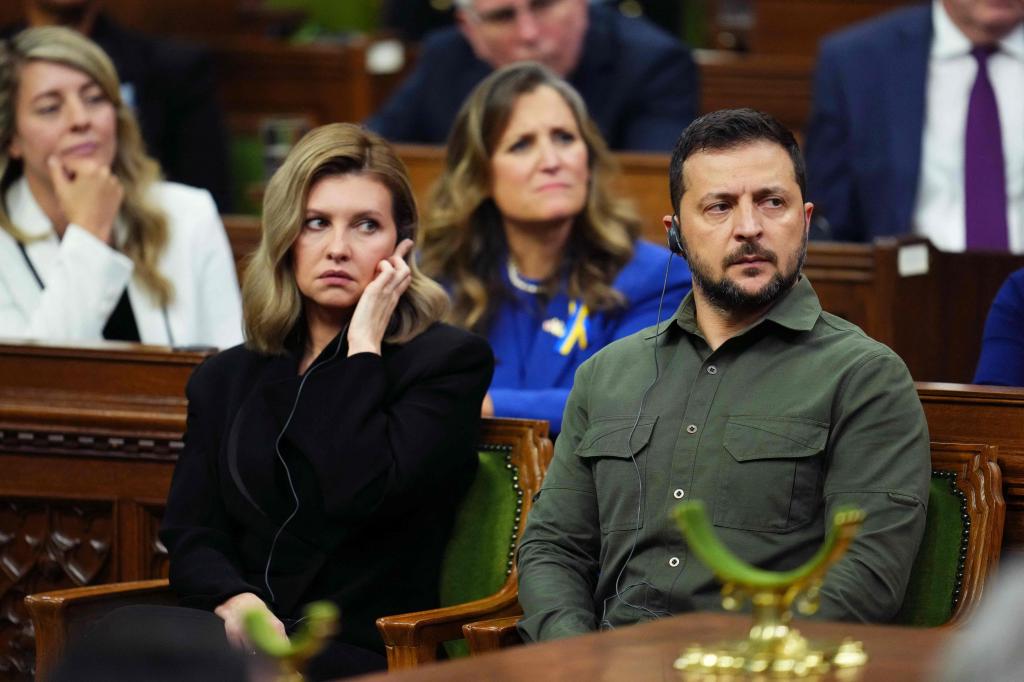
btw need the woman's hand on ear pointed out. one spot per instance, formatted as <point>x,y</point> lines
<point>373,311</point>
<point>89,195</point>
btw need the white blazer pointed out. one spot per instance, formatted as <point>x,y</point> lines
<point>84,277</point>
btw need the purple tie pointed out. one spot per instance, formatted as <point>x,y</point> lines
<point>984,174</point>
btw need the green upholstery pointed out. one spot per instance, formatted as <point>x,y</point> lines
<point>246,172</point>
<point>478,557</point>
<point>335,15</point>
<point>935,579</point>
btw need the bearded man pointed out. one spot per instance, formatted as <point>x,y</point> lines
<point>750,398</point>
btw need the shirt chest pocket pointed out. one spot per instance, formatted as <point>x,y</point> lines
<point>615,451</point>
<point>770,473</point>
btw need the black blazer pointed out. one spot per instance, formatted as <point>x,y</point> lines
<point>380,450</point>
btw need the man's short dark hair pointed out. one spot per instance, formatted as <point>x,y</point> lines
<point>726,129</point>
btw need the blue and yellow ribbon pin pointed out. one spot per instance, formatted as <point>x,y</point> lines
<point>575,330</point>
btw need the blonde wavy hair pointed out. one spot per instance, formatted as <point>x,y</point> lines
<point>463,241</point>
<point>146,224</point>
<point>271,300</point>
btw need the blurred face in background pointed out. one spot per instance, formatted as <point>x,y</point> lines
<point>985,21</point>
<point>502,32</point>
<point>540,165</point>
<point>61,112</point>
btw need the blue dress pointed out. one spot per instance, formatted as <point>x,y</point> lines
<point>538,348</point>
<point>1002,346</point>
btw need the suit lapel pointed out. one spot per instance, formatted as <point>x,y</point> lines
<point>905,97</point>
<point>251,456</point>
<point>149,317</point>
<point>23,288</point>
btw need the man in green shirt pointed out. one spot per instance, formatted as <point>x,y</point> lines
<point>750,398</point>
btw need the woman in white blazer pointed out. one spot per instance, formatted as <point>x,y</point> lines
<point>93,245</point>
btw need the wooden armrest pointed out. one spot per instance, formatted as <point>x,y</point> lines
<point>59,614</point>
<point>411,639</point>
<point>493,634</point>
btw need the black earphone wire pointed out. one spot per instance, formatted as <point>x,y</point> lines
<point>619,592</point>
<point>287,471</point>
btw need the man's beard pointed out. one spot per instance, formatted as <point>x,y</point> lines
<point>727,296</point>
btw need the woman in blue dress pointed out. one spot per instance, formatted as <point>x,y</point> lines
<point>1002,346</point>
<point>537,252</point>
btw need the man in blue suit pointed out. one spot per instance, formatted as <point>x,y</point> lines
<point>886,141</point>
<point>639,83</point>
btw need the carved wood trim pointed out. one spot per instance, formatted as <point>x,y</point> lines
<point>965,413</point>
<point>156,559</point>
<point>45,545</point>
<point>60,614</point>
<point>411,639</point>
<point>492,634</point>
<point>88,444</point>
<point>976,475</point>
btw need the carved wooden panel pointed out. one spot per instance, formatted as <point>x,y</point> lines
<point>46,546</point>
<point>154,554</point>
<point>88,441</point>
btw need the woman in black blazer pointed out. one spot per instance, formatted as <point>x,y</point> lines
<point>324,458</point>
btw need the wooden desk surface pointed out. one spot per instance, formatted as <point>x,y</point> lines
<point>646,652</point>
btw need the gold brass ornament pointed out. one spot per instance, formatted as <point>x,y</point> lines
<point>773,649</point>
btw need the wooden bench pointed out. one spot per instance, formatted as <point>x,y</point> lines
<point>794,27</point>
<point>927,305</point>
<point>779,84</point>
<point>89,437</point>
<point>964,413</point>
<point>88,441</point>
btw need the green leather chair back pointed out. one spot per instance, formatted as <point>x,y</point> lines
<point>480,553</point>
<point>936,579</point>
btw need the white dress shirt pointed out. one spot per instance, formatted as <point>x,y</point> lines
<point>84,277</point>
<point>939,209</point>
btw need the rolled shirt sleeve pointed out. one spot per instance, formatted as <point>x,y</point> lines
<point>879,460</point>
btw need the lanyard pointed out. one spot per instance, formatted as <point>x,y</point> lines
<point>32,268</point>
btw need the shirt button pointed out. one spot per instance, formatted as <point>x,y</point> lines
<point>673,562</point>
<point>678,494</point>
<point>692,428</point>
<point>712,369</point>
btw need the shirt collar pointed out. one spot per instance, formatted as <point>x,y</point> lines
<point>25,212</point>
<point>798,309</point>
<point>948,41</point>
<point>1013,43</point>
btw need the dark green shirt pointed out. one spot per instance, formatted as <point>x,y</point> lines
<point>798,414</point>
